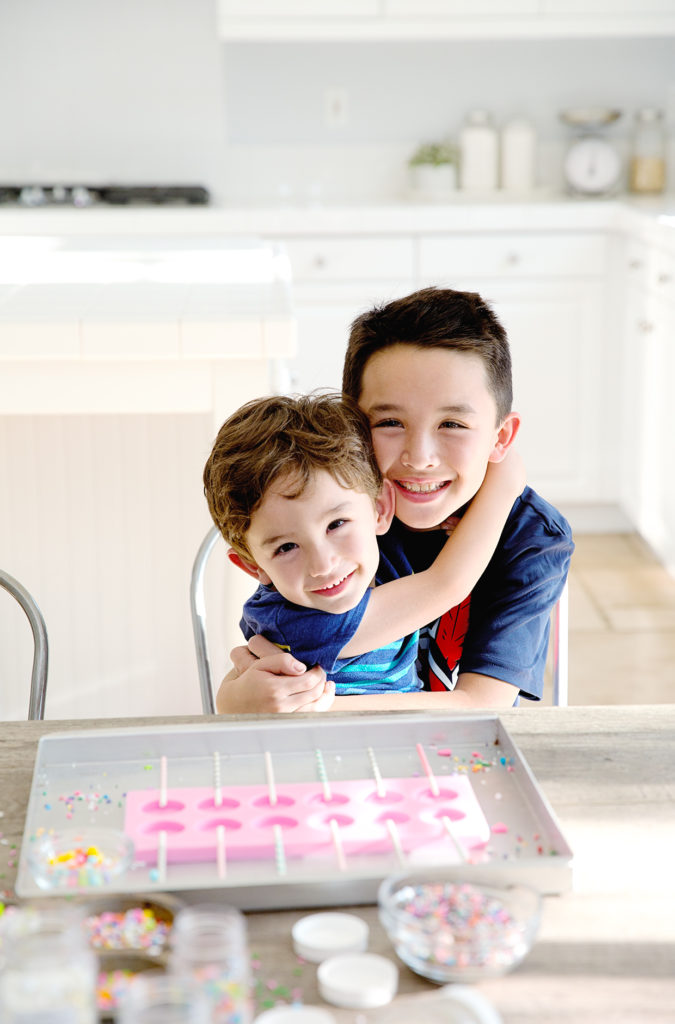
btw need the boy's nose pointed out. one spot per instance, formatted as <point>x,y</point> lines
<point>420,453</point>
<point>320,561</point>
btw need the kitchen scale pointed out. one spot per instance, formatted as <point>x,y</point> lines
<point>592,163</point>
<point>282,814</point>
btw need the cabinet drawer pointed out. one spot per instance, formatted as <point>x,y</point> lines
<point>350,259</point>
<point>512,255</point>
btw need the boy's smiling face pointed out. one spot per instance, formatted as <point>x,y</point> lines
<point>320,548</point>
<point>434,429</point>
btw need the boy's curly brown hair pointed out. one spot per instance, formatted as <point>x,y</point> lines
<point>291,437</point>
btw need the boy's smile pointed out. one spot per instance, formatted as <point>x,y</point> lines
<point>320,548</point>
<point>434,429</point>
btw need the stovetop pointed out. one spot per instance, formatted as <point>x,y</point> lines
<point>108,195</point>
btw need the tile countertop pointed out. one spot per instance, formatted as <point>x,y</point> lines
<point>655,217</point>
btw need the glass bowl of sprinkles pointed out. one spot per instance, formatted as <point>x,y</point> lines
<point>78,860</point>
<point>448,929</point>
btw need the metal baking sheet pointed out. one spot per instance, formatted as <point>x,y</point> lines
<point>81,781</point>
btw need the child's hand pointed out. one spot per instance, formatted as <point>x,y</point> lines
<point>509,473</point>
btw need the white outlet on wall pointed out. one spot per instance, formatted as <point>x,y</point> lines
<point>335,108</point>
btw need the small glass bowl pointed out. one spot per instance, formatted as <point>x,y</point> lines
<point>449,929</point>
<point>78,860</point>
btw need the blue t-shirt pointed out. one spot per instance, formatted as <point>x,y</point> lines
<point>502,628</point>
<point>316,638</point>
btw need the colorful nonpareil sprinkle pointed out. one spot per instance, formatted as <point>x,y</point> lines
<point>133,929</point>
<point>458,926</point>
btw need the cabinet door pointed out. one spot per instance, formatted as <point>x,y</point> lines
<point>324,315</point>
<point>555,333</point>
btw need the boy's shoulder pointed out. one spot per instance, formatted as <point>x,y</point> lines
<point>533,514</point>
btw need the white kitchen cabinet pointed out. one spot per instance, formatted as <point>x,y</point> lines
<point>432,19</point>
<point>548,290</point>
<point>648,384</point>
<point>299,8</point>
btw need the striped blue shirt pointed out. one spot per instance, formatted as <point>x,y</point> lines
<point>316,638</point>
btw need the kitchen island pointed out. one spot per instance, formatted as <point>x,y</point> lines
<point>605,951</point>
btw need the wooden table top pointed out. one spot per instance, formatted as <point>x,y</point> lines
<point>605,952</point>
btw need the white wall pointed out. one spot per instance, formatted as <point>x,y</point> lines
<point>143,90</point>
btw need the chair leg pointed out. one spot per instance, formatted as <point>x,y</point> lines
<point>198,612</point>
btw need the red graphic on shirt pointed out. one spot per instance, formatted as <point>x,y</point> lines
<point>446,642</point>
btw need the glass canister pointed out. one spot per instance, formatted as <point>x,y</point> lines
<point>209,947</point>
<point>49,973</point>
<point>648,156</point>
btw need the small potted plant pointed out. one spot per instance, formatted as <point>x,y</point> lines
<point>433,169</point>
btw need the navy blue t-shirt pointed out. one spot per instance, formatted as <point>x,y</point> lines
<point>502,628</point>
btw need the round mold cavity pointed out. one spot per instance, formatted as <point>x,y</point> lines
<point>228,823</point>
<point>282,820</point>
<point>443,794</point>
<point>165,826</point>
<point>398,817</point>
<point>450,812</point>
<point>333,800</point>
<point>154,807</point>
<point>210,804</point>
<point>282,801</point>
<point>390,796</point>
<point>343,820</point>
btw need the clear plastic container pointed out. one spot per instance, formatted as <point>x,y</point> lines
<point>49,974</point>
<point>648,158</point>
<point>479,153</point>
<point>209,948</point>
<point>163,999</point>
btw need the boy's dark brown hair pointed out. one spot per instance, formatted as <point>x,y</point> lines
<point>293,437</point>
<point>433,318</point>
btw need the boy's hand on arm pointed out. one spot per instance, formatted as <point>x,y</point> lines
<point>273,682</point>
<point>472,691</point>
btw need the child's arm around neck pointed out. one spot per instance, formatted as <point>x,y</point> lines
<point>407,604</point>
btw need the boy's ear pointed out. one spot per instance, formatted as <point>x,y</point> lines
<point>249,567</point>
<point>506,435</point>
<point>385,505</point>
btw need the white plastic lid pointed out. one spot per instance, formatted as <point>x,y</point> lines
<point>358,981</point>
<point>319,936</point>
<point>296,1015</point>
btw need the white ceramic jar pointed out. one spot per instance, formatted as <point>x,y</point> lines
<point>479,153</point>
<point>518,153</point>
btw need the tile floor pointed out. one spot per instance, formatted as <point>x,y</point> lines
<point>622,623</point>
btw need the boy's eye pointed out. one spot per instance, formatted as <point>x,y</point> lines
<point>336,524</point>
<point>391,422</point>
<point>283,548</point>
<point>451,425</point>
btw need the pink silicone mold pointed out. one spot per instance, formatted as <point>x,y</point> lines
<point>191,817</point>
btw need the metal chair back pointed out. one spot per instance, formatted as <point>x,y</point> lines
<point>38,683</point>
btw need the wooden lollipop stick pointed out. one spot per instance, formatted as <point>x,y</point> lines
<point>220,851</point>
<point>323,777</point>
<point>217,790</point>
<point>279,852</point>
<point>381,791</point>
<point>427,769</point>
<point>337,843</point>
<point>269,771</point>
<point>162,782</point>
<point>395,840</point>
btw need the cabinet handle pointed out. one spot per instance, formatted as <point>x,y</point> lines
<point>512,259</point>
<point>664,278</point>
<point>645,326</point>
<point>319,261</point>
<point>635,264</point>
